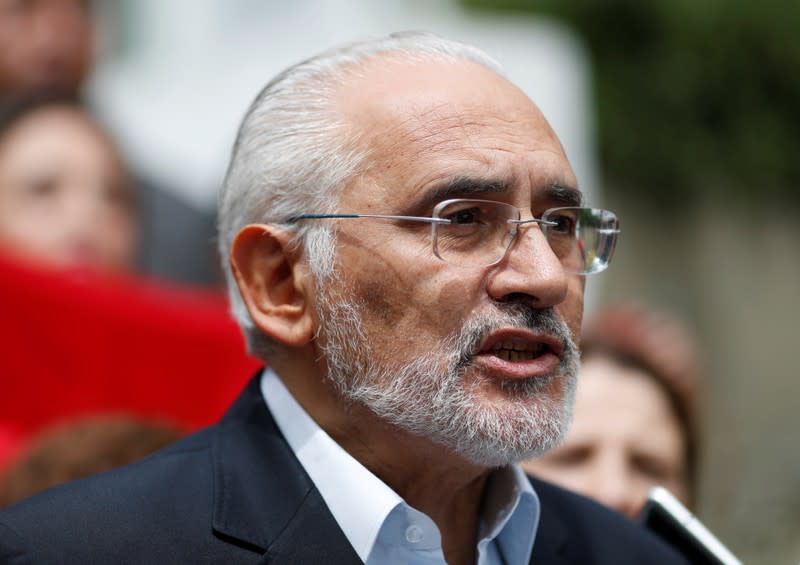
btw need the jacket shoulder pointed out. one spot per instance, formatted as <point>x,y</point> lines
<point>161,503</point>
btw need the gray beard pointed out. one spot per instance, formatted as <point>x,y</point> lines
<point>431,397</point>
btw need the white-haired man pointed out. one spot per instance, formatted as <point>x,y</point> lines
<point>407,248</point>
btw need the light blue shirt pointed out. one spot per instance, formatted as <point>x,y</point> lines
<point>377,522</point>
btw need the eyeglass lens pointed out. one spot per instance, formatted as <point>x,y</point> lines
<point>479,233</point>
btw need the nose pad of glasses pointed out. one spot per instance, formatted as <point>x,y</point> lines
<point>538,234</point>
<point>511,235</point>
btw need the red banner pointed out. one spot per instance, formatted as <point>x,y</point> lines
<point>77,343</point>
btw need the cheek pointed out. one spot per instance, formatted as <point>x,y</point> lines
<point>122,247</point>
<point>117,218</point>
<point>680,489</point>
<point>416,300</point>
<point>453,300</point>
<point>571,309</point>
<point>30,221</point>
<point>382,298</point>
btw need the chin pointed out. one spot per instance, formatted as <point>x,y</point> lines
<point>549,388</point>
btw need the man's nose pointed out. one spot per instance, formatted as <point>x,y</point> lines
<point>530,271</point>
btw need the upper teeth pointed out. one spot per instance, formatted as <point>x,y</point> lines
<point>512,355</point>
<point>514,345</point>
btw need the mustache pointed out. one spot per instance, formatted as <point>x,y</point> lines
<point>519,316</point>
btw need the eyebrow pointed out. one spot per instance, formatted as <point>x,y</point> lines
<point>563,195</point>
<point>469,186</point>
<point>463,186</point>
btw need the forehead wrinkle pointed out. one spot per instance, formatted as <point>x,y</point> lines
<point>461,127</point>
<point>412,137</point>
<point>468,134</point>
<point>431,130</point>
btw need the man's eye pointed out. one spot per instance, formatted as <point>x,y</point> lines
<point>467,216</point>
<point>565,224</point>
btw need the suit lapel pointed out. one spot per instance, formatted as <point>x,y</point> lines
<point>312,536</point>
<point>550,545</point>
<point>263,498</point>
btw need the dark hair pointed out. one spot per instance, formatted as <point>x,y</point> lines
<point>14,109</point>
<point>82,447</point>
<point>663,347</point>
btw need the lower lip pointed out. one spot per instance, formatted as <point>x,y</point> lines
<point>541,366</point>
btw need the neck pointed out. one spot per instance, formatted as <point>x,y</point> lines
<point>429,477</point>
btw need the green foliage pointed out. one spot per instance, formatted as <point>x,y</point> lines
<point>692,95</point>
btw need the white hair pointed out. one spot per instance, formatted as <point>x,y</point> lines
<point>436,393</point>
<point>293,154</point>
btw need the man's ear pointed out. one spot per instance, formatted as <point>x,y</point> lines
<point>274,284</point>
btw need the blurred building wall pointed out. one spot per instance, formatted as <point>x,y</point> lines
<point>735,273</point>
<point>180,74</point>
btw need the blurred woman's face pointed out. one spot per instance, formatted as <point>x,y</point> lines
<point>625,439</point>
<point>65,197</point>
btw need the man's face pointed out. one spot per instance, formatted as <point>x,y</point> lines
<point>44,44</point>
<point>480,359</point>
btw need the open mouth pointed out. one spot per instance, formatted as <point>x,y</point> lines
<point>514,350</point>
<point>512,353</point>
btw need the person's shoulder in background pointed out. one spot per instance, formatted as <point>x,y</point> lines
<point>178,240</point>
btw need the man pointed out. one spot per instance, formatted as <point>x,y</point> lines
<point>400,223</point>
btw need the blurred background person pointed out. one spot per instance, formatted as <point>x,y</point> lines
<point>50,45</point>
<point>79,448</point>
<point>66,198</point>
<point>45,45</point>
<point>634,419</point>
<point>71,346</point>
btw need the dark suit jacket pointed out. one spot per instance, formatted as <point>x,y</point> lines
<point>235,493</point>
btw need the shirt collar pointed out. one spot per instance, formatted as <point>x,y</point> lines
<point>339,478</point>
<point>510,513</point>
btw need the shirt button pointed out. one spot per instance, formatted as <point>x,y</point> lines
<point>414,534</point>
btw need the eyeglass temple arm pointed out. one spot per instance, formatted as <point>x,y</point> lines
<point>378,216</point>
<point>533,221</point>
